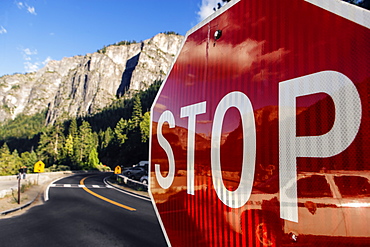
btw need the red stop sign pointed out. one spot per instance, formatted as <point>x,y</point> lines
<point>260,133</point>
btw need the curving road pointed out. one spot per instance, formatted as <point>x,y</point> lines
<point>82,211</point>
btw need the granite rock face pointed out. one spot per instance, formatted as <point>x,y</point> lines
<point>81,85</point>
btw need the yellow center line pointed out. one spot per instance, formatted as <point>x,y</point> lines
<point>104,198</point>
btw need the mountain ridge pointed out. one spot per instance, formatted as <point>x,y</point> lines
<point>82,85</point>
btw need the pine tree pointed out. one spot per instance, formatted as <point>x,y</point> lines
<point>6,167</point>
<point>93,160</point>
<point>121,131</point>
<point>16,161</point>
<point>105,137</point>
<point>69,147</point>
<point>73,128</point>
<point>51,145</point>
<point>29,159</point>
<point>86,141</point>
<point>9,162</point>
<point>59,140</point>
<point>137,113</point>
<point>145,127</point>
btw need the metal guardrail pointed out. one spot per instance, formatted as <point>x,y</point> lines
<point>121,179</point>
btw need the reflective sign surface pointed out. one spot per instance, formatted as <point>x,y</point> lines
<point>260,134</point>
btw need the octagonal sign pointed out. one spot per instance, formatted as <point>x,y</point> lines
<point>260,132</point>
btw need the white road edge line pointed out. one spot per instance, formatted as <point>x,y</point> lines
<point>46,194</point>
<point>122,191</point>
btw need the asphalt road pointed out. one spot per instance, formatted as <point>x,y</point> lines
<point>82,211</point>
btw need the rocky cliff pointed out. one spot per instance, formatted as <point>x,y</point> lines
<point>82,85</point>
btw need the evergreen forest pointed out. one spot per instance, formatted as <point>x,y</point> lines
<point>118,135</point>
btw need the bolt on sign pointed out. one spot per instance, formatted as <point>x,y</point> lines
<point>260,132</point>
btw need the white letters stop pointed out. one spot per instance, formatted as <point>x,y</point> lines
<point>345,128</point>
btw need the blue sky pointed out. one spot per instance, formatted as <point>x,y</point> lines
<point>32,32</point>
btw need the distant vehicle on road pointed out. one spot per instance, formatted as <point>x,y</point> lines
<point>135,172</point>
<point>142,163</point>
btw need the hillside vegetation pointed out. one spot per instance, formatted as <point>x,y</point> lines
<point>117,135</point>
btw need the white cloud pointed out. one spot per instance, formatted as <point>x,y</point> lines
<point>206,8</point>
<point>2,30</point>
<point>28,51</point>
<point>31,59</point>
<point>28,55</point>
<point>48,59</point>
<point>19,5</point>
<point>31,67</point>
<point>31,10</point>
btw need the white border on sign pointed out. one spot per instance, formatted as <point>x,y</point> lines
<point>346,10</point>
